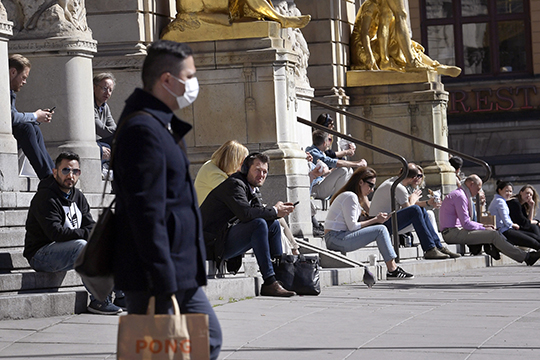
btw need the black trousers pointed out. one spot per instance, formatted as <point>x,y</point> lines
<point>522,238</point>
<point>30,139</point>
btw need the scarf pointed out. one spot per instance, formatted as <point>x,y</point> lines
<point>472,213</point>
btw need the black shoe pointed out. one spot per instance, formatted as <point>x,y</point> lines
<point>532,257</point>
<point>399,273</point>
<point>492,251</point>
<point>475,249</point>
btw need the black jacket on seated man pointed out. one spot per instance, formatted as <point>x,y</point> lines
<point>230,201</point>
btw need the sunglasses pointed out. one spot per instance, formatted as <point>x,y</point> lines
<point>419,176</point>
<point>66,171</point>
<point>370,184</point>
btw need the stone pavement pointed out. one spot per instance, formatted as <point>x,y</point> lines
<point>490,313</point>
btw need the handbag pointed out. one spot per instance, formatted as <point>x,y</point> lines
<point>155,337</point>
<point>298,273</point>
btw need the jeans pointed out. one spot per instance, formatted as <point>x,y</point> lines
<point>57,256</point>
<point>419,218</point>
<point>346,241</point>
<point>30,139</point>
<point>190,301</point>
<point>331,183</point>
<point>257,234</point>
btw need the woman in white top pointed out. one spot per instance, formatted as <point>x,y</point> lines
<point>344,231</point>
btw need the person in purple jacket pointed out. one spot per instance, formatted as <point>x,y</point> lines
<point>458,228</point>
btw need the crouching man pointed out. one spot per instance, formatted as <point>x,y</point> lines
<point>59,223</point>
<point>238,200</point>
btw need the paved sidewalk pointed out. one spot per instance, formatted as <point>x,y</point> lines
<point>490,313</point>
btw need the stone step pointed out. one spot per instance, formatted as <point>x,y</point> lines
<point>12,236</point>
<point>26,305</point>
<point>32,280</point>
<point>13,259</point>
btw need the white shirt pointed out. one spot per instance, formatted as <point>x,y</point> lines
<point>382,202</point>
<point>344,213</point>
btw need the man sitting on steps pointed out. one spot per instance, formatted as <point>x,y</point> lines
<point>59,223</point>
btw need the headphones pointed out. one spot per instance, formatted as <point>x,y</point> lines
<point>248,161</point>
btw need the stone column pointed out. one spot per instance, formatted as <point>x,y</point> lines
<point>8,145</point>
<point>59,44</point>
<point>414,103</point>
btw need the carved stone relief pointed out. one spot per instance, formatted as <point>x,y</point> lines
<point>34,19</point>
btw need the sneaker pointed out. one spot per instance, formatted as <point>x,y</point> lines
<point>120,302</point>
<point>532,257</point>
<point>447,251</point>
<point>103,307</point>
<point>399,273</point>
<point>434,254</point>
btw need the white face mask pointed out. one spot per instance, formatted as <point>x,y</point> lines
<point>190,93</point>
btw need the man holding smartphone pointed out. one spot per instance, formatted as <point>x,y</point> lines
<point>25,125</point>
<point>236,220</point>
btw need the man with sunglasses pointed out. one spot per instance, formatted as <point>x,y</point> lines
<point>59,223</point>
<point>409,213</point>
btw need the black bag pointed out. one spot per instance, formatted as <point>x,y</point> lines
<point>95,262</point>
<point>298,273</point>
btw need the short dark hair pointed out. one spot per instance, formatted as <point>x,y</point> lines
<point>319,137</point>
<point>19,62</point>
<point>163,56</point>
<point>250,159</point>
<point>324,120</point>
<point>502,184</point>
<point>456,162</point>
<point>67,155</point>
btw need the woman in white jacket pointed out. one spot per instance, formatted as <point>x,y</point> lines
<point>348,228</point>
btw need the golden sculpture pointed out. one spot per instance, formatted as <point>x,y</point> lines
<point>380,41</point>
<point>194,13</point>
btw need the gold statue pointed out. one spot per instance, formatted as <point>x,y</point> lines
<point>382,25</point>
<point>225,12</point>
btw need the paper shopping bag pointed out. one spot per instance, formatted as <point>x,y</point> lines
<point>154,337</point>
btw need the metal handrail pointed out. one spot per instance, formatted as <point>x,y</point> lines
<point>470,158</point>
<point>395,234</point>
<point>408,136</point>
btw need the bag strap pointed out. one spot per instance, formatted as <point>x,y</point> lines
<point>151,310</point>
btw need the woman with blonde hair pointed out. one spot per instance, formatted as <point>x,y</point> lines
<point>224,161</point>
<point>345,229</point>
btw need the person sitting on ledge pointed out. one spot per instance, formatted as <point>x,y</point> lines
<point>235,220</point>
<point>348,227</point>
<point>458,228</point>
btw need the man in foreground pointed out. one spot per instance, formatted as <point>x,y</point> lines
<point>159,248</point>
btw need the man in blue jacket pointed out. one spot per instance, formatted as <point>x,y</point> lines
<point>25,125</point>
<point>159,248</point>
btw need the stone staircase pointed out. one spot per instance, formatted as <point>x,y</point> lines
<point>25,293</point>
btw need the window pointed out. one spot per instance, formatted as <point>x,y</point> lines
<point>485,38</point>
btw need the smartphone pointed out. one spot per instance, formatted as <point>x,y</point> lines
<point>51,110</point>
<point>391,213</point>
<point>296,203</point>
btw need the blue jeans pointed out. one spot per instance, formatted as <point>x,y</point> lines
<point>57,256</point>
<point>30,139</point>
<point>257,234</point>
<point>346,241</point>
<point>190,301</point>
<point>419,218</point>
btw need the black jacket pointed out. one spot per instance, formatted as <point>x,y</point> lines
<point>53,218</point>
<point>230,199</point>
<point>159,244</point>
<point>518,214</point>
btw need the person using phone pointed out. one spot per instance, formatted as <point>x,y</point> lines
<point>25,125</point>
<point>348,230</point>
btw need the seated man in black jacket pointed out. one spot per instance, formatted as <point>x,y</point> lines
<point>237,200</point>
